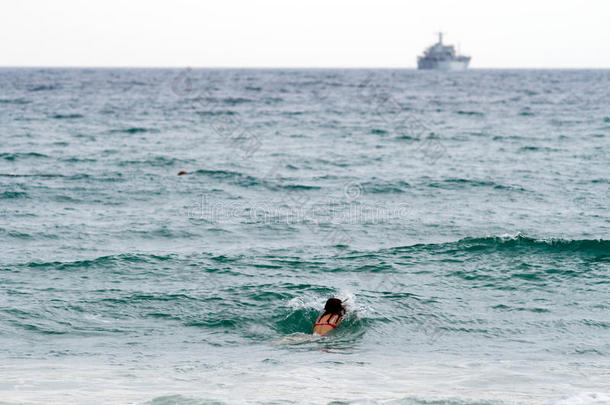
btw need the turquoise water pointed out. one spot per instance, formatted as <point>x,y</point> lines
<point>463,216</point>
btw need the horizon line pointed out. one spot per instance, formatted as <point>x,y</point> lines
<point>282,67</point>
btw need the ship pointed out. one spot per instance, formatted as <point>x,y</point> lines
<point>442,57</point>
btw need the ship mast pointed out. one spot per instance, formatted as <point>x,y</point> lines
<point>440,37</point>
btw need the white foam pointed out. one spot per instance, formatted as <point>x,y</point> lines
<point>307,301</point>
<point>313,301</point>
<point>585,398</point>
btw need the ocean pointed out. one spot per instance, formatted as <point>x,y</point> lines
<point>462,216</point>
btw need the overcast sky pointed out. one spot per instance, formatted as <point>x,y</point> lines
<point>284,33</point>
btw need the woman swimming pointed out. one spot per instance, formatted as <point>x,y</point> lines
<point>330,319</point>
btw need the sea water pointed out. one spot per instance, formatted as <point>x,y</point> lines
<point>463,217</point>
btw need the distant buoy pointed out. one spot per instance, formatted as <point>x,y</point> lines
<point>181,172</point>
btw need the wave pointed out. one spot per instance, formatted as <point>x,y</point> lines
<point>125,258</point>
<point>236,100</point>
<point>227,175</point>
<point>212,113</point>
<point>385,187</point>
<point>537,148</point>
<point>182,400</point>
<point>157,161</point>
<point>456,183</point>
<point>28,236</point>
<point>519,242</point>
<point>132,130</point>
<point>272,100</point>
<point>187,400</point>
<point>246,180</point>
<point>584,398</point>
<point>21,155</point>
<point>299,187</point>
<point>19,101</point>
<point>463,112</point>
<point>74,159</point>
<point>43,87</point>
<point>67,116</point>
<point>162,232</point>
<point>31,175</point>
<point>580,245</point>
<point>14,234</point>
<point>13,194</point>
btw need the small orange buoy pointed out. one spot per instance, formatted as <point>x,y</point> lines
<point>181,172</point>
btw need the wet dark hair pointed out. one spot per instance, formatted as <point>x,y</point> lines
<point>334,306</point>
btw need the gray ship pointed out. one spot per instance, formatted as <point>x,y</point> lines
<point>442,57</point>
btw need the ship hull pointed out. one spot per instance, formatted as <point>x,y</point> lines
<point>427,64</point>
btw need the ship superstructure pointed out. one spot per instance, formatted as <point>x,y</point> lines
<point>442,57</point>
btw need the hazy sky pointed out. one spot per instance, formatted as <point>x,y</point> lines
<point>380,33</point>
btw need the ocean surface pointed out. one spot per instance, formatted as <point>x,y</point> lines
<point>463,216</point>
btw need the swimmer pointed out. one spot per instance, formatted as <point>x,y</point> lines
<point>330,319</point>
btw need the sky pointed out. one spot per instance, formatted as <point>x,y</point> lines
<point>313,33</point>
